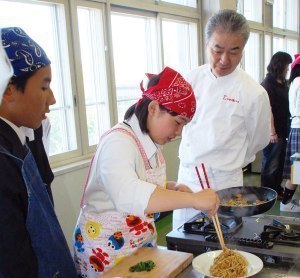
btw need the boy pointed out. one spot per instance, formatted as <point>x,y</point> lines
<point>33,244</point>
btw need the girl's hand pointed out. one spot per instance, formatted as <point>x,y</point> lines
<point>172,185</point>
<point>182,187</point>
<point>207,200</point>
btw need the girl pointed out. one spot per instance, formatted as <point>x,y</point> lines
<point>293,144</point>
<point>126,184</point>
<point>277,89</point>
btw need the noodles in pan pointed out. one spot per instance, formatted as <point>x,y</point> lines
<point>239,201</point>
<point>229,264</point>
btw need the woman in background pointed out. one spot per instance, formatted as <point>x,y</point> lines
<point>293,145</point>
<point>277,88</point>
<point>127,185</point>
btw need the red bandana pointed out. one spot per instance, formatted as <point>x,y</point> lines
<point>172,92</point>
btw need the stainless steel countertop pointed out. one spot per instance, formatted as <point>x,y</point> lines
<point>266,272</point>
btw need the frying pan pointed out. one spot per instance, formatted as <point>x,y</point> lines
<point>251,194</point>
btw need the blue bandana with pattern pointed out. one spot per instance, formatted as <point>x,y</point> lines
<point>23,52</point>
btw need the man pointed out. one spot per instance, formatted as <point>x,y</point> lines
<point>232,120</point>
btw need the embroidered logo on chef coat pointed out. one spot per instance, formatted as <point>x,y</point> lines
<point>227,98</point>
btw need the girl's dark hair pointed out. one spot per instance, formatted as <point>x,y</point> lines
<point>295,72</point>
<point>21,81</point>
<point>141,109</point>
<point>278,63</point>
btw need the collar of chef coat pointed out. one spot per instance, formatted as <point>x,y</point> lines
<point>225,76</point>
<point>149,146</point>
<point>18,130</point>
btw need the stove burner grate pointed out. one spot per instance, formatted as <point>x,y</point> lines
<point>282,234</point>
<point>289,235</point>
<point>242,241</point>
<point>204,226</point>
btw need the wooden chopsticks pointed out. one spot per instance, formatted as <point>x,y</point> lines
<point>215,218</point>
<point>219,231</point>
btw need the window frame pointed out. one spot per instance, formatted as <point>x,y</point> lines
<point>88,150</point>
<point>160,11</point>
<point>175,18</point>
<point>266,29</point>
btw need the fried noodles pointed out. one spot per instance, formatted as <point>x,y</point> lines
<point>229,264</point>
<point>239,201</point>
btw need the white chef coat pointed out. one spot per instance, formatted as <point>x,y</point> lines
<point>231,124</point>
<point>294,102</point>
<point>117,176</point>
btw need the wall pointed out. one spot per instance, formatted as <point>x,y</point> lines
<point>170,152</point>
<point>67,190</point>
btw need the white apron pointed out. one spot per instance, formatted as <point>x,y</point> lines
<point>104,239</point>
<point>217,179</point>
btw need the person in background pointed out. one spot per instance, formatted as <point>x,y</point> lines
<point>277,88</point>
<point>126,185</point>
<point>293,144</point>
<point>232,119</point>
<point>33,244</point>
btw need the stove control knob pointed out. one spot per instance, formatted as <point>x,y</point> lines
<point>269,259</point>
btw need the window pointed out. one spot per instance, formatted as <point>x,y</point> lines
<point>278,30</point>
<point>268,51</point>
<point>278,44</point>
<point>92,49</point>
<point>189,3</point>
<point>252,56</point>
<point>292,46</point>
<point>135,52</point>
<point>100,51</point>
<point>292,15</point>
<point>278,14</point>
<point>286,14</point>
<point>251,9</point>
<point>285,44</point>
<point>180,45</point>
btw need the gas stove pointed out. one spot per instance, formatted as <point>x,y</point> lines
<point>275,239</point>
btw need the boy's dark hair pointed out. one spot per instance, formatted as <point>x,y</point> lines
<point>141,110</point>
<point>21,81</point>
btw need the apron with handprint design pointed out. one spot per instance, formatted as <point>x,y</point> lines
<point>102,240</point>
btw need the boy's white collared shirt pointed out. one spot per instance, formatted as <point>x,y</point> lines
<point>18,130</point>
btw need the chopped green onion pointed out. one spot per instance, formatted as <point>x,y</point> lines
<point>142,266</point>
